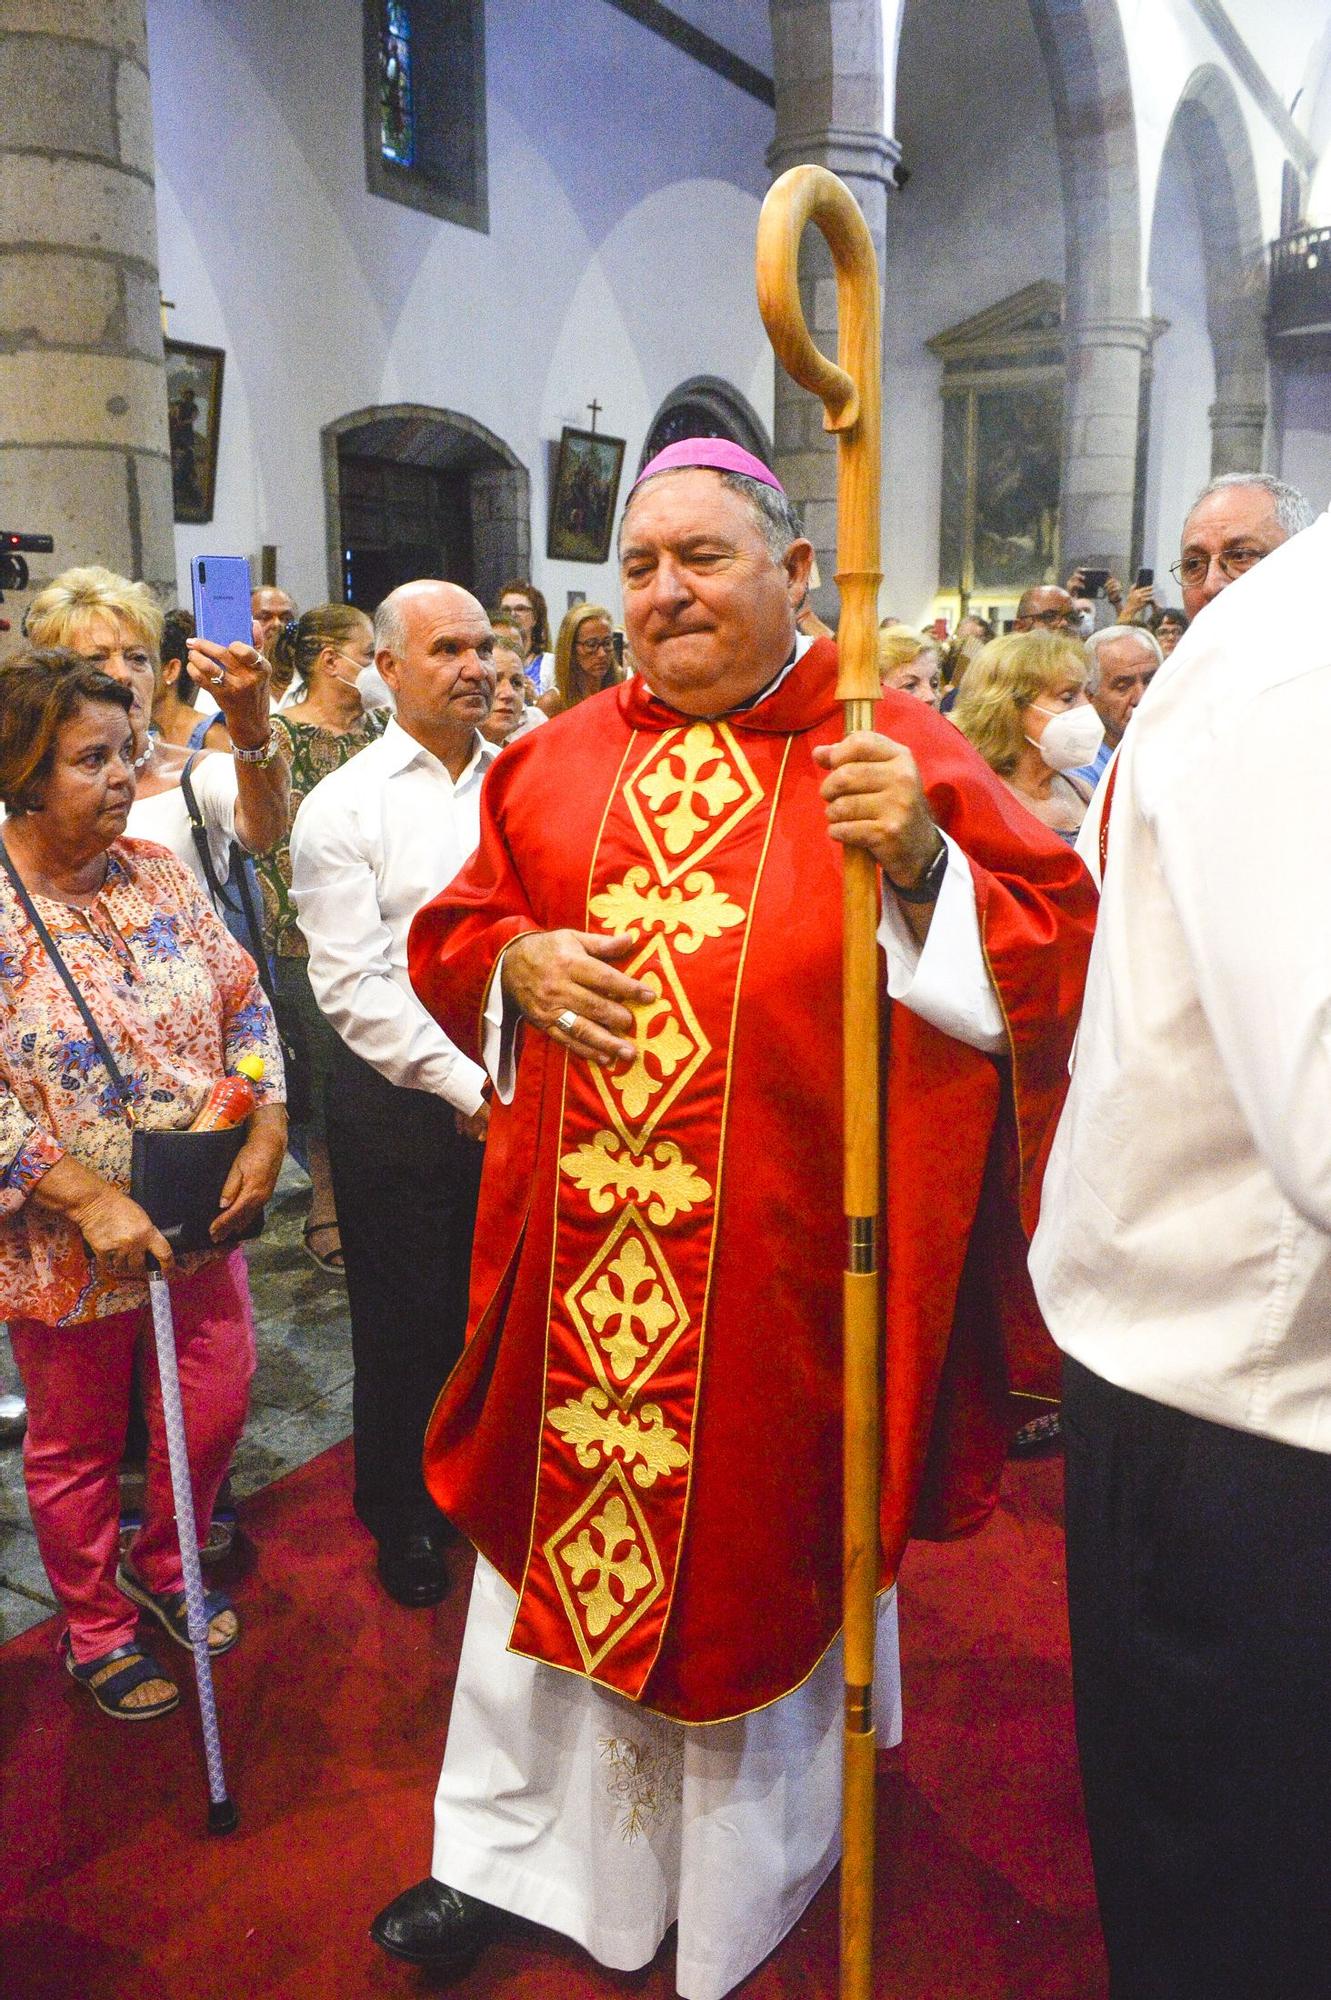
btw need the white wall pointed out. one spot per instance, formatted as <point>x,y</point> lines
<point>619,258</point>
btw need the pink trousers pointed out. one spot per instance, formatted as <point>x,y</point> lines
<point>77,1381</point>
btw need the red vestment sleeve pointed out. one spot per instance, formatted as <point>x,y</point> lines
<point>456,940</point>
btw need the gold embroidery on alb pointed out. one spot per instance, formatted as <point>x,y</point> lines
<point>595,1430</point>
<point>607,1170</point>
<point>645,1780</point>
<point>690,793</point>
<point>605,1566</point>
<point>689,915</point>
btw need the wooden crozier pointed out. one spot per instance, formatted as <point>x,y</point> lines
<point>851,393</point>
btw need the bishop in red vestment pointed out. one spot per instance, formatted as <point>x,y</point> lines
<point>643,1437</point>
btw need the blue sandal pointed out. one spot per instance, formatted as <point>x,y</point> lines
<point>116,1675</point>
<point>168,1608</point>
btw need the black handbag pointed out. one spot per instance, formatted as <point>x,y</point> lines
<point>176,1177</point>
<point>235,900</point>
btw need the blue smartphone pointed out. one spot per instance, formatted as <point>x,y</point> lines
<point>220,586</point>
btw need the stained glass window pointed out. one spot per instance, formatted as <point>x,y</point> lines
<point>397,125</point>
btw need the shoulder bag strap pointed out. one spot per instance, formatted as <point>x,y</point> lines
<point>199,832</point>
<point>240,876</point>
<point>49,943</point>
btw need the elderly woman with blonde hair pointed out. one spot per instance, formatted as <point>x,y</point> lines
<point>1024,706</point>
<point>116,625</point>
<point>584,658</point>
<point>909,662</point>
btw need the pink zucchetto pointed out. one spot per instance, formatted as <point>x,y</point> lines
<point>718,454</point>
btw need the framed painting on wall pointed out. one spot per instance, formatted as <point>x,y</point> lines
<point>194,417</point>
<point>1003,394</point>
<point>585,491</point>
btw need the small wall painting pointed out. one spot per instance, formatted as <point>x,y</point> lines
<point>194,416</point>
<point>586,488</point>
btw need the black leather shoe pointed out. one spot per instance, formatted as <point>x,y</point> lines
<point>413,1570</point>
<point>435,1926</point>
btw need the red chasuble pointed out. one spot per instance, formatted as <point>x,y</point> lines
<point>644,1434</point>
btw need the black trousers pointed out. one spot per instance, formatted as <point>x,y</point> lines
<point>405,1181</point>
<point>1199,1589</point>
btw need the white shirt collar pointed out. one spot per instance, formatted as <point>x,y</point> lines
<point>401,750</point>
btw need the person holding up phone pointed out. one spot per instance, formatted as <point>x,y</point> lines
<point>117,625</point>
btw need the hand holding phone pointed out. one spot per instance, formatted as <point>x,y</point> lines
<point>220,588</point>
<point>1093,581</point>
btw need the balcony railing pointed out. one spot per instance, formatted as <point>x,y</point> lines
<point>1300,306</point>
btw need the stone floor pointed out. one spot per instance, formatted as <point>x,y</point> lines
<point>300,1402</point>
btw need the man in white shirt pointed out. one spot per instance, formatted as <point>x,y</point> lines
<point>406,1109</point>
<point>1183,1264</point>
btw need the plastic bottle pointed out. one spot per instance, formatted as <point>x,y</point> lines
<point>231,1099</point>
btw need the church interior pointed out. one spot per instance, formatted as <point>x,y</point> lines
<point>365,291</point>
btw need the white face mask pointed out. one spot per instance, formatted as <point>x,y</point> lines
<point>1072,736</point>
<point>1085,624</point>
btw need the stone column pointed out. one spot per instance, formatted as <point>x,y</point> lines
<point>500,527</point>
<point>83,433</point>
<point>1238,433</point>
<point>829,112</point>
<point>1101,460</point>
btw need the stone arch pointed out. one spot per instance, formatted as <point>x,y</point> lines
<point>828,71</point>
<point>711,408</point>
<point>1208,141</point>
<point>1108,339</point>
<point>830,107</point>
<point>484,487</point>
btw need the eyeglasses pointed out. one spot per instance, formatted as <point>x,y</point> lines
<point>1195,568</point>
<point>604,646</point>
<point>1053,618</point>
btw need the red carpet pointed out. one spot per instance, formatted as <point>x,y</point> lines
<point>333,1715</point>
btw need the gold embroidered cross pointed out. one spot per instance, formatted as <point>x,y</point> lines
<point>616,1564</point>
<point>695,773</point>
<point>615,1298</point>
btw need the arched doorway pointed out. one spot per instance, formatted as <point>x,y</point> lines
<point>414,491</point>
<point>705,406</point>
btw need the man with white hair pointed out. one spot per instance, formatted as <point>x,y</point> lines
<point>1124,659</point>
<point>1234,521</point>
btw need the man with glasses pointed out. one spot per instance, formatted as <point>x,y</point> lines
<point>1047,605</point>
<point>1235,521</point>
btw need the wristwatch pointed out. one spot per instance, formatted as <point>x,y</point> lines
<point>263,754</point>
<point>927,888</point>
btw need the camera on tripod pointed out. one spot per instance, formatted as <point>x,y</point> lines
<point>13,548</point>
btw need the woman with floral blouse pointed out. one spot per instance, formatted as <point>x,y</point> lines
<point>324,651</point>
<point>179,1004</point>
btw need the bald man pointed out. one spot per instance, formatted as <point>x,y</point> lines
<point>406,1109</point>
<point>1047,605</point>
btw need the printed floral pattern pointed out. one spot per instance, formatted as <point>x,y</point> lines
<point>311,753</point>
<point>179,1003</point>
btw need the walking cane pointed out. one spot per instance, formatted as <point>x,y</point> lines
<point>221,1809</point>
<point>851,393</point>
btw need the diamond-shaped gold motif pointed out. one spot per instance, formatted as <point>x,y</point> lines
<point>690,793</point>
<point>627,1308</point>
<point>605,1567</point>
<point>670,1048</point>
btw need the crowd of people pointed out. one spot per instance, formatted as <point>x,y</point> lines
<point>524,999</point>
